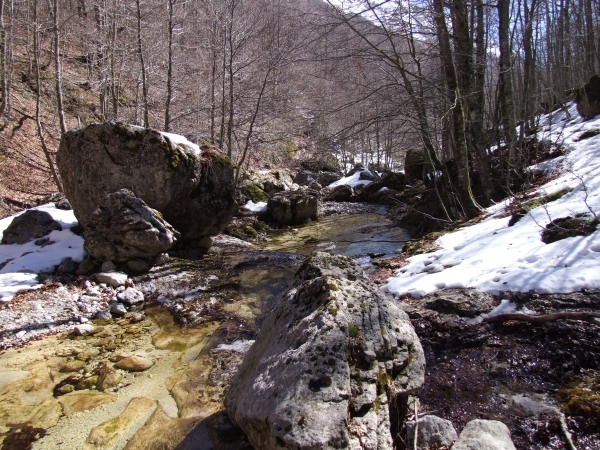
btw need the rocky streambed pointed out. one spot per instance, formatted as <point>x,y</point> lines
<point>156,378</point>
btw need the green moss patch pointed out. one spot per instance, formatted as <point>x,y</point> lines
<point>581,397</point>
<point>255,193</point>
<point>565,227</point>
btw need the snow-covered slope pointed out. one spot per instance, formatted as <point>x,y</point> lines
<point>493,257</point>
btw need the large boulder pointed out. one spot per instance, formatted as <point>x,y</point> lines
<point>193,188</point>
<point>329,363</point>
<point>124,228</point>
<point>587,98</point>
<point>393,181</point>
<point>326,178</point>
<point>292,207</point>
<point>414,165</point>
<point>305,177</point>
<point>30,225</point>
<point>324,162</point>
<point>341,193</point>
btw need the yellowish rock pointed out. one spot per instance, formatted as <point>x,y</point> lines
<point>82,401</point>
<point>134,363</point>
<point>107,435</point>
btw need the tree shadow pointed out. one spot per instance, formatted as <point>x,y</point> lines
<point>216,432</point>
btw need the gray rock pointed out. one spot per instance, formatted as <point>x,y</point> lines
<point>125,228</point>
<point>309,380</point>
<point>304,177</point>
<point>63,204</point>
<point>84,329</point>
<point>432,430</point>
<point>108,266</point>
<point>114,279</point>
<point>102,315</point>
<point>67,266</point>
<point>130,296</point>
<point>484,435</point>
<point>29,226</point>
<point>313,185</point>
<point>118,310</point>
<point>326,178</point>
<point>138,265</point>
<point>86,267</point>
<point>324,162</point>
<point>587,98</point>
<point>342,193</point>
<point>293,207</point>
<point>193,190</point>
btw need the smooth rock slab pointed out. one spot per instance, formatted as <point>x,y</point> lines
<point>327,362</point>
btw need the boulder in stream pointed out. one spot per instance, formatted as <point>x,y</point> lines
<point>293,207</point>
<point>329,366</point>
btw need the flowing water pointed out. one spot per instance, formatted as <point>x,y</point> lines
<point>364,237</point>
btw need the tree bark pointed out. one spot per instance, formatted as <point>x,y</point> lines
<point>58,70</point>
<point>140,52</point>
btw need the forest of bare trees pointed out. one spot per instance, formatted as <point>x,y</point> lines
<point>269,80</point>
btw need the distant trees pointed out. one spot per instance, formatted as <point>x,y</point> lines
<point>265,79</point>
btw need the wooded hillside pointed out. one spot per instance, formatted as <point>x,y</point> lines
<point>273,80</point>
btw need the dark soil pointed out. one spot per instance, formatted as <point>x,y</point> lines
<point>473,369</point>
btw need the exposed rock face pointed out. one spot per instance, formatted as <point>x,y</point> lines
<point>125,228</point>
<point>414,165</point>
<point>341,193</point>
<point>30,225</point>
<point>587,98</point>
<point>293,207</point>
<point>327,364</point>
<point>192,189</point>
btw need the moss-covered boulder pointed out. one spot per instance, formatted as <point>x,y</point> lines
<point>192,187</point>
<point>292,207</point>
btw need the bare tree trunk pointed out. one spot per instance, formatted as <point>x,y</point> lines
<point>460,151</point>
<point>506,91</point>
<point>58,70</point>
<point>3,61</point>
<point>171,4</point>
<point>140,51</point>
<point>36,56</point>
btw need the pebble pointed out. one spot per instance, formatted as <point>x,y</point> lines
<point>84,329</point>
<point>114,279</point>
<point>118,310</point>
<point>130,296</point>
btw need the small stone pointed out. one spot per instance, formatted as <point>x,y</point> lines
<point>67,266</point>
<point>130,296</point>
<point>108,378</point>
<point>88,354</point>
<point>138,266</point>
<point>118,310</point>
<point>114,279</point>
<point>84,329</point>
<point>65,389</point>
<point>108,266</point>
<point>134,363</point>
<point>102,315</point>
<point>137,317</point>
<point>72,366</point>
<point>86,267</point>
<point>63,204</point>
<point>87,383</point>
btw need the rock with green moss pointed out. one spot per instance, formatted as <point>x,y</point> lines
<point>328,362</point>
<point>191,187</point>
<point>293,207</point>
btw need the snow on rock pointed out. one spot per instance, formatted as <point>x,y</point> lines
<point>492,257</point>
<point>23,263</point>
<point>258,207</point>
<point>352,181</point>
